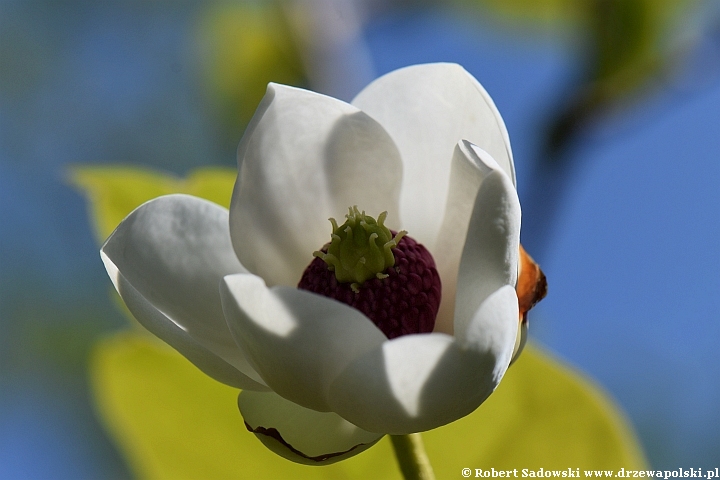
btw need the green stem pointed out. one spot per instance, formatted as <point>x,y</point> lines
<point>411,456</point>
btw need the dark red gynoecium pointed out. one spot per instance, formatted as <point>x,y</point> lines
<point>405,302</point>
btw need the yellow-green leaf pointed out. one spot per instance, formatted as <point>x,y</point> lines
<point>543,414</point>
<point>245,46</point>
<point>115,191</point>
<point>542,12</point>
<point>171,421</point>
<point>214,184</point>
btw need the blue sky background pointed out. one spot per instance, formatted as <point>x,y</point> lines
<point>632,262</point>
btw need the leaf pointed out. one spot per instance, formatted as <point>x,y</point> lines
<point>540,12</point>
<point>246,46</point>
<point>115,191</point>
<point>214,184</point>
<point>172,421</point>
<point>543,414</point>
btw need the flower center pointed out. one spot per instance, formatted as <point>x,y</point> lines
<point>386,275</point>
<point>361,248</point>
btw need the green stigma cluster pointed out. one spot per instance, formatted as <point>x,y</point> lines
<point>360,249</point>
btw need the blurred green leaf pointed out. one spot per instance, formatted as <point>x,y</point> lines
<point>214,184</point>
<point>113,192</point>
<point>542,12</point>
<point>246,45</point>
<point>630,41</point>
<point>543,414</point>
<point>172,421</point>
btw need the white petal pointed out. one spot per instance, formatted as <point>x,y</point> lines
<point>427,109</point>
<point>298,341</point>
<point>493,328</point>
<point>470,166</point>
<point>299,434</point>
<point>490,256</point>
<point>414,383</point>
<point>166,259</point>
<point>304,158</point>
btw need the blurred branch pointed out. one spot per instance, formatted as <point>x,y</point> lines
<point>595,98</point>
<point>625,57</point>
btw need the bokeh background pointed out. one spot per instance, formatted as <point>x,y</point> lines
<point>613,110</point>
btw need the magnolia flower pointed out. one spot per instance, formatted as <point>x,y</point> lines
<point>320,382</point>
